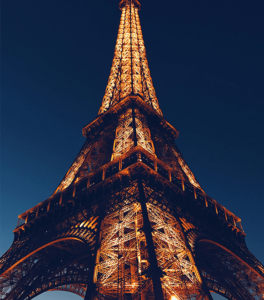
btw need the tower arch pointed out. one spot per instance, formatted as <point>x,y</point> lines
<point>226,273</point>
<point>53,265</point>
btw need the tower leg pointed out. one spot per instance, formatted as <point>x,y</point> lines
<point>91,285</point>
<point>155,271</point>
<point>204,286</point>
<point>208,294</point>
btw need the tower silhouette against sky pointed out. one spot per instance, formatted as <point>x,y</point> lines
<point>129,219</point>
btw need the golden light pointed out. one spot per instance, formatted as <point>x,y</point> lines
<point>175,298</point>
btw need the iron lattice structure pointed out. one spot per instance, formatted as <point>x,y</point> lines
<point>129,219</point>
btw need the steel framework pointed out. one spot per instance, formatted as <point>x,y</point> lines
<point>129,219</point>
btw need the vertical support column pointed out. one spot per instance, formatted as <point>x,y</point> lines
<point>134,124</point>
<point>61,195</point>
<point>91,285</point>
<point>155,270</point>
<point>204,286</point>
<point>206,290</point>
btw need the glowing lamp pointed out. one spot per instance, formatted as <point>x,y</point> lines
<point>175,298</point>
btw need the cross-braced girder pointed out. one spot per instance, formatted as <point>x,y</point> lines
<point>122,264</point>
<point>130,72</point>
<point>60,262</point>
<point>227,274</point>
<point>58,255</point>
<point>132,129</point>
<point>75,288</point>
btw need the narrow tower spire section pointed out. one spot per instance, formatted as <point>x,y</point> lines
<point>130,73</point>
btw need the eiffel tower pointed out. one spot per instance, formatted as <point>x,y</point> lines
<point>129,220</point>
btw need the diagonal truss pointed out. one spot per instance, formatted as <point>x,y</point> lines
<point>132,123</point>
<point>130,72</point>
<point>122,262</point>
<point>181,277</point>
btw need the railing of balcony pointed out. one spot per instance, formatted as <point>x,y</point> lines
<point>135,155</point>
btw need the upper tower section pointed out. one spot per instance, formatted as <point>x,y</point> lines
<point>130,73</point>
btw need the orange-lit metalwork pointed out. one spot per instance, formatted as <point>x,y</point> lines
<point>129,221</point>
<point>130,72</point>
<point>127,136</point>
<point>122,259</point>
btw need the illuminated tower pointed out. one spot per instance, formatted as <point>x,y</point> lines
<point>129,219</point>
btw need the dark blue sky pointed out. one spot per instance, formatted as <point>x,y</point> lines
<point>206,61</point>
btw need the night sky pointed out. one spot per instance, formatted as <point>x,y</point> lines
<point>206,61</point>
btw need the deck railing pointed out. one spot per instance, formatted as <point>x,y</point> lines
<point>136,154</point>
